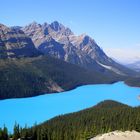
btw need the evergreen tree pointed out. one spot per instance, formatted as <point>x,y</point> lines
<point>16,133</point>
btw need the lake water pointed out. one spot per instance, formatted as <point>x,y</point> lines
<point>41,108</point>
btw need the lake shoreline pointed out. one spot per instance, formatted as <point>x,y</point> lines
<point>77,86</point>
<point>47,106</point>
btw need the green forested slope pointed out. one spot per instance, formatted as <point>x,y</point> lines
<point>105,117</point>
<point>133,81</point>
<point>33,76</point>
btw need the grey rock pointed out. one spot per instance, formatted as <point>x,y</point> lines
<point>14,43</point>
<point>59,41</point>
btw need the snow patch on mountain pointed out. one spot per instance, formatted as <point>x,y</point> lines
<point>111,68</point>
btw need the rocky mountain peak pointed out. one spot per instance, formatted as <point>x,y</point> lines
<point>33,30</point>
<point>45,24</point>
<point>15,43</point>
<point>32,27</point>
<point>2,26</point>
<point>56,26</point>
<point>45,29</point>
<point>59,29</point>
<point>59,41</point>
<point>85,39</point>
<point>34,24</point>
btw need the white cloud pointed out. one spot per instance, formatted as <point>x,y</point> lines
<point>124,55</point>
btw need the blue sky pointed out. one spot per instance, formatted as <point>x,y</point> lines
<point>114,24</point>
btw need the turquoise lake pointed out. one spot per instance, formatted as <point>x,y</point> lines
<point>41,108</point>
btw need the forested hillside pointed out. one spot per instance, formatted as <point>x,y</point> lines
<point>105,117</point>
<point>134,81</point>
<point>27,77</point>
<point>26,71</point>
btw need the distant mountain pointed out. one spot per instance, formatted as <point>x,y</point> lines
<point>14,43</point>
<point>59,41</point>
<point>134,66</point>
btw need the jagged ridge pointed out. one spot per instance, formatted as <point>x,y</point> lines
<point>59,41</point>
<point>14,43</point>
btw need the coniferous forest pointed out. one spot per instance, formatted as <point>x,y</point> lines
<point>105,117</point>
<point>35,76</point>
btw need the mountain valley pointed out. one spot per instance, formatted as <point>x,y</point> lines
<point>49,55</point>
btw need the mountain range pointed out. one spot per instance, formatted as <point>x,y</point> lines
<point>134,66</point>
<point>60,42</point>
<point>40,58</point>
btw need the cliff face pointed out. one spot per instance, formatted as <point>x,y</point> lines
<point>14,43</point>
<point>60,42</point>
<point>71,48</point>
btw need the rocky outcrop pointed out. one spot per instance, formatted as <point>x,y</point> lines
<point>14,43</point>
<point>119,135</point>
<point>53,86</point>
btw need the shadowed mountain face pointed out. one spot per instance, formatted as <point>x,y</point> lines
<point>60,42</point>
<point>27,77</point>
<point>14,43</point>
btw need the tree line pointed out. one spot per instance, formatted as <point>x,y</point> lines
<point>105,117</point>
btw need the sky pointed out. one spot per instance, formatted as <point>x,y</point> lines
<point>113,24</point>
